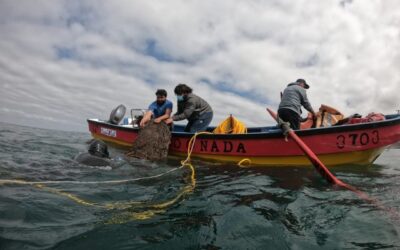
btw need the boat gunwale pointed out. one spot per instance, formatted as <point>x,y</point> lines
<point>273,131</point>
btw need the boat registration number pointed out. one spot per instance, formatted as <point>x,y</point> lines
<point>108,132</point>
<point>357,139</point>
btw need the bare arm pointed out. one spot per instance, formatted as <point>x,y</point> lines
<point>163,117</point>
<point>146,118</point>
<point>306,103</point>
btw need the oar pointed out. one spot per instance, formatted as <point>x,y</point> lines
<point>319,166</point>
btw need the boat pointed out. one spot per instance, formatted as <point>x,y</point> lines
<point>358,143</point>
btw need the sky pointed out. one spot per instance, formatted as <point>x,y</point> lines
<point>64,61</point>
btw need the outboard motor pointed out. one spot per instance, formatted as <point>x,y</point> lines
<point>99,149</point>
<point>117,114</point>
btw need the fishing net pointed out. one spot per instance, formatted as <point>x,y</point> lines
<point>152,142</point>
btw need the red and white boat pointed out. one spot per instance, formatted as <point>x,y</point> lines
<point>357,143</point>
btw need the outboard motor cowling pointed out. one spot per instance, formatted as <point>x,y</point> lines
<point>117,114</point>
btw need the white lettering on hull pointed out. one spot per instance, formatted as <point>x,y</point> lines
<point>108,132</point>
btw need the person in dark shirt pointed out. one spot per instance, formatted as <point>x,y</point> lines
<point>293,98</point>
<point>160,109</point>
<point>193,108</point>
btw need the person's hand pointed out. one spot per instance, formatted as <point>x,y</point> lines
<point>142,123</point>
<point>169,121</point>
<point>157,120</point>
<point>314,120</point>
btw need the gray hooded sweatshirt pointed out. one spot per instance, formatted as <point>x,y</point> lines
<point>295,96</point>
<point>191,108</point>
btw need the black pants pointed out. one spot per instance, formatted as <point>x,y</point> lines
<point>290,116</point>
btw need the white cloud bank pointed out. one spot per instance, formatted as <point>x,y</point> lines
<point>64,61</point>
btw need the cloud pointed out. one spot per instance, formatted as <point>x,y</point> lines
<point>64,61</point>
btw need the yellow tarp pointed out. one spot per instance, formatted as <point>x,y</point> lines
<point>231,125</point>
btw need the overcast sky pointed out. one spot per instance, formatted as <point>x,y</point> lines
<point>64,61</point>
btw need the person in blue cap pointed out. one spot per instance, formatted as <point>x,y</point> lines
<point>293,98</point>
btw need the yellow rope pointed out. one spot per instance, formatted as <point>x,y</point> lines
<point>243,161</point>
<point>152,210</point>
<point>22,182</point>
<point>191,146</point>
<point>68,195</point>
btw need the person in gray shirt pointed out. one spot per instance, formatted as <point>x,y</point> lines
<point>293,98</point>
<point>193,108</point>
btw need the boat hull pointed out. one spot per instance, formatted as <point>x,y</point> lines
<point>365,157</point>
<point>346,144</point>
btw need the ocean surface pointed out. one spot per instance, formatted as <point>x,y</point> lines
<point>49,201</point>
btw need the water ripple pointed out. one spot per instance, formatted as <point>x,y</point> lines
<point>229,208</point>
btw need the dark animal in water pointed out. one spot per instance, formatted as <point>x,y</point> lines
<point>97,155</point>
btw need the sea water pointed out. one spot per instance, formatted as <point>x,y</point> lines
<point>49,201</point>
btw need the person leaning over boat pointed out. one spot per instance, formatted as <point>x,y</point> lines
<point>160,109</point>
<point>193,108</point>
<point>294,96</point>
